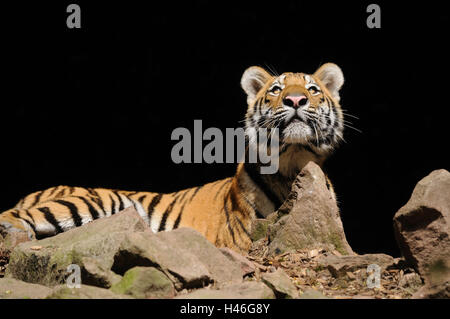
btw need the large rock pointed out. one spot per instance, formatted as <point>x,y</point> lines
<point>92,247</point>
<point>247,266</point>
<point>281,284</point>
<point>106,248</point>
<point>16,289</point>
<point>422,231</point>
<point>309,218</point>
<point>184,255</point>
<point>244,290</point>
<point>145,282</point>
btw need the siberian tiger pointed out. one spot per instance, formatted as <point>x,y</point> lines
<point>305,109</point>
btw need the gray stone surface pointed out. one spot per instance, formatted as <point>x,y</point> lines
<point>309,218</point>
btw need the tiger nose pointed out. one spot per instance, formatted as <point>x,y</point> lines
<point>295,101</point>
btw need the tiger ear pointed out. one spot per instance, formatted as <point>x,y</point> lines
<point>332,77</point>
<point>252,81</point>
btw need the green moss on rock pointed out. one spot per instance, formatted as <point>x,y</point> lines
<point>145,282</point>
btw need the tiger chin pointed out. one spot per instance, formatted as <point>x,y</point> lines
<point>303,107</point>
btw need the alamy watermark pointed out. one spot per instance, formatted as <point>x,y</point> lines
<point>73,20</point>
<point>74,279</point>
<point>374,19</point>
<point>263,146</point>
<point>374,278</point>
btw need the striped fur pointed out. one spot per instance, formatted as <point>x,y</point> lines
<point>223,210</point>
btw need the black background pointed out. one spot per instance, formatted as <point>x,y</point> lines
<point>96,106</point>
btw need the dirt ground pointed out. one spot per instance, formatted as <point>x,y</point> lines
<point>306,272</point>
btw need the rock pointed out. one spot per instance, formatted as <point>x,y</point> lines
<point>108,247</point>
<point>309,218</point>
<point>97,273</point>
<point>184,255</point>
<point>340,265</point>
<point>422,230</point>
<point>7,243</point>
<point>92,247</point>
<point>16,289</point>
<point>411,280</point>
<point>422,225</point>
<point>312,294</point>
<point>281,284</point>
<point>145,282</point>
<point>11,240</point>
<point>244,290</point>
<point>84,292</point>
<point>430,291</point>
<point>437,281</point>
<point>246,265</point>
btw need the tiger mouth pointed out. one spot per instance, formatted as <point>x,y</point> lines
<point>295,119</point>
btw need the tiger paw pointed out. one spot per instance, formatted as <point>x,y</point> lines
<point>14,232</point>
<point>10,236</point>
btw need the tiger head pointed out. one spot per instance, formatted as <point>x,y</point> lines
<point>304,107</point>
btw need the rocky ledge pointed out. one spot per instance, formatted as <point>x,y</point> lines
<point>299,251</point>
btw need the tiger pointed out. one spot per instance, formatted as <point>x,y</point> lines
<point>303,107</point>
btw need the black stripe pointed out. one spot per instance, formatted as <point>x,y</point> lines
<point>184,195</point>
<point>155,200</point>
<point>230,229</point>
<point>31,216</point>
<point>97,199</point>
<point>53,191</point>
<point>61,193</point>
<point>73,211</point>
<point>51,219</point>
<point>242,226</point>
<point>121,204</point>
<point>309,149</point>
<point>20,203</point>
<point>261,120</point>
<point>162,224</point>
<point>36,198</point>
<point>178,220</point>
<point>16,215</point>
<point>92,192</point>
<point>131,193</point>
<point>235,207</point>
<point>113,205</point>
<point>253,206</point>
<point>336,118</point>
<point>91,208</point>
<point>283,149</point>
<point>257,179</point>
<point>195,193</point>
<point>227,214</point>
<point>140,199</point>
<point>99,203</point>
<point>221,187</point>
